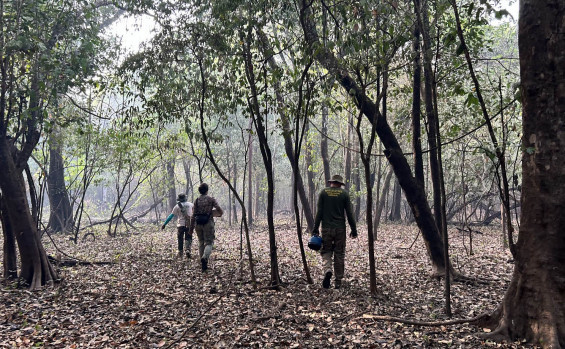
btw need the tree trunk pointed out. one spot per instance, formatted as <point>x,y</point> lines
<point>422,19</point>
<point>259,122</point>
<point>10,260</point>
<point>171,187</point>
<point>249,197</point>
<point>310,178</point>
<point>307,204</point>
<point>534,305</point>
<point>347,155</point>
<point>61,214</point>
<point>396,200</point>
<point>381,202</point>
<point>357,183</point>
<point>324,144</point>
<point>416,99</point>
<point>35,268</point>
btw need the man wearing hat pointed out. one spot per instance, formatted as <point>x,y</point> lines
<point>183,212</point>
<point>333,204</point>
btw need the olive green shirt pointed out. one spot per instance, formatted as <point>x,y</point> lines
<point>333,205</point>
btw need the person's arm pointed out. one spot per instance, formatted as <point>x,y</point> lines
<point>167,220</point>
<point>218,208</point>
<point>350,217</point>
<point>192,220</point>
<point>319,213</point>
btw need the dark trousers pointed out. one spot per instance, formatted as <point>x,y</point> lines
<point>184,236</point>
<point>333,245</point>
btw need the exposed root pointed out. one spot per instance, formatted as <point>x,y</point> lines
<point>417,322</point>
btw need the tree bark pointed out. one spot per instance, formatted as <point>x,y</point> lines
<point>266,154</point>
<point>396,201</point>
<point>10,260</point>
<point>324,144</point>
<point>171,187</point>
<point>534,305</point>
<point>36,270</point>
<point>416,103</point>
<point>307,204</point>
<point>61,214</point>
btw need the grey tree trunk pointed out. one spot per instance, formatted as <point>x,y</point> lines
<point>60,211</point>
<point>171,185</point>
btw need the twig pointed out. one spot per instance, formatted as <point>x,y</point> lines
<point>413,242</point>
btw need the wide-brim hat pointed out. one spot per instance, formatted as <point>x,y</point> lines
<point>337,179</point>
<point>181,197</point>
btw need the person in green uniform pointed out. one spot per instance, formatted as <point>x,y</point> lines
<point>333,205</point>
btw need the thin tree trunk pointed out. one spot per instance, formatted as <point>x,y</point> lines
<point>259,122</point>
<point>416,99</point>
<point>171,184</point>
<point>210,155</point>
<point>324,143</point>
<point>250,177</point>
<point>307,202</point>
<point>382,200</point>
<point>396,199</point>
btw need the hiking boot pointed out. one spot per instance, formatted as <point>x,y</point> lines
<point>337,284</point>
<point>327,279</point>
<point>188,255</point>
<point>179,255</point>
<point>204,264</point>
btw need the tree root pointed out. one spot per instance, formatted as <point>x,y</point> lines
<point>471,321</point>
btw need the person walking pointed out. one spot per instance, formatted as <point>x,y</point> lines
<point>205,209</point>
<point>334,204</point>
<point>183,212</point>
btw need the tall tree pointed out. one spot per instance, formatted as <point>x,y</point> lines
<point>40,58</point>
<point>534,305</point>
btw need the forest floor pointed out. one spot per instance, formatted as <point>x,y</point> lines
<point>148,298</point>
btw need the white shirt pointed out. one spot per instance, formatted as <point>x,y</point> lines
<point>181,216</point>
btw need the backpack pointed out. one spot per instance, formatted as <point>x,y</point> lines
<point>201,218</point>
<point>183,212</point>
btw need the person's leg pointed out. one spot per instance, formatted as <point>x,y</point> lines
<point>180,238</point>
<point>187,243</point>
<point>209,236</point>
<point>200,236</point>
<point>339,255</point>
<point>327,253</point>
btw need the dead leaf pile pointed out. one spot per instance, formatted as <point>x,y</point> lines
<point>148,298</point>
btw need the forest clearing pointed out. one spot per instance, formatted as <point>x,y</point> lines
<point>382,173</point>
<point>149,298</point>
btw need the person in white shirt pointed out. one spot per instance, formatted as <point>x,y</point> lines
<point>183,212</point>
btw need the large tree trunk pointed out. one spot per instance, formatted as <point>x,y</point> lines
<point>534,305</point>
<point>61,214</point>
<point>10,260</point>
<point>413,191</point>
<point>35,268</point>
